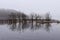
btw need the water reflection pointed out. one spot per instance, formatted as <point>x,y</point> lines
<point>20,26</point>
<point>19,22</point>
<point>48,25</point>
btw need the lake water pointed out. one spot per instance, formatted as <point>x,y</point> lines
<point>29,31</point>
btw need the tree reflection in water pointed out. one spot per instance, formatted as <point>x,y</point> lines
<point>47,26</point>
<point>27,25</point>
<point>13,26</point>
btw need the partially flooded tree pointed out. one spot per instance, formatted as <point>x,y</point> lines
<point>36,16</point>
<point>12,18</point>
<point>32,17</point>
<point>24,17</point>
<point>48,17</point>
<point>19,17</point>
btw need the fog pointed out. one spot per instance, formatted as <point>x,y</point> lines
<point>37,6</point>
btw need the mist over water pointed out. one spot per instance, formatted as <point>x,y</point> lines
<point>29,19</point>
<point>29,31</point>
<point>33,27</point>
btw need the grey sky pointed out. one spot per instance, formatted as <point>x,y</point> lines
<point>29,6</point>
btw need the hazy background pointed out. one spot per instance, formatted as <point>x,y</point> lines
<point>36,6</point>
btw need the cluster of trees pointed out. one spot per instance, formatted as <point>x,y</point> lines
<point>17,15</point>
<point>21,17</point>
<point>37,16</point>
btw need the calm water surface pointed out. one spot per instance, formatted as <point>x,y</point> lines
<point>29,31</point>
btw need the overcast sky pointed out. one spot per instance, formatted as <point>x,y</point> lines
<point>29,6</point>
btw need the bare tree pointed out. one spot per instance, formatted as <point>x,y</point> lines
<point>48,17</point>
